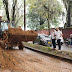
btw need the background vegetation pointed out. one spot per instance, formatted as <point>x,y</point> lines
<point>40,14</point>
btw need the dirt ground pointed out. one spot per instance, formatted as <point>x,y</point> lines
<point>29,61</point>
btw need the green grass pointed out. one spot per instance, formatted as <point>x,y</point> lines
<point>46,49</point>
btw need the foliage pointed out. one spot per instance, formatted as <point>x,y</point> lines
<point>5,3</point>
<point>41,11</point>
<point>34,15</point>
<point>68,6</point>
<point>66,3</point>
<point>0,4</point>
<point>13,11</point>
<point>56,22</point>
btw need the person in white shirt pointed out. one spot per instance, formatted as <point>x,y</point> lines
<point>53,38</point>
<point>58,34</point>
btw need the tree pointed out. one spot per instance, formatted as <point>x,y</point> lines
<point>56,22</point>
<point>46,9</point>
<point>13,11</point>
<point>68,5</point>
<point>35,19</point>
<point>5,3</point>
<point>35,14</point>
<point>0,4</point>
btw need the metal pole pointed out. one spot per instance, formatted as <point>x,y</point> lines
<point>24,16</point>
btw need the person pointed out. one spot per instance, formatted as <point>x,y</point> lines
<point>53,38</point>
<point>58,34</point>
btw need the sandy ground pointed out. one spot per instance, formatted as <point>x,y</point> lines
<point>29,61</point>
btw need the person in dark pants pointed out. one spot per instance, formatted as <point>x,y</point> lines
<point>59,43</point>
<point>54,43</point>
<point>58,37</point>
<point>53,38</point>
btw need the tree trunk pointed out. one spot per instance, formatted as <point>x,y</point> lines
<point>5,3</point>
<point>13,13</point>
<point>49,27</point>
<point>24,15</point>
<point>68,16</point>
